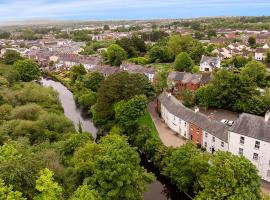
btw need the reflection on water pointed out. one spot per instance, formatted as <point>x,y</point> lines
<point>71,110</point>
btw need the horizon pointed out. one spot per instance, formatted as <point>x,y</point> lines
<point>113,10</point>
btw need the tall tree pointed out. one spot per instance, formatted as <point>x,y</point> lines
<point>6,192</point>
<point>11,56</point>
<point>28,70</point>
<point>230,177</point>
<point>115,55</point>
<point>118,174</point>
<point>46,187</point>
<point>76,71</point>
<point>183,62</point>
<point>185,165</point>
<point>84,192</point>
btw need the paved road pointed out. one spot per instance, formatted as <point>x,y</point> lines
<point>166,135</point>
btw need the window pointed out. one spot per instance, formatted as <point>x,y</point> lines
<point>206,134</point>
<point>173,117</point>
<point>257,144</point>
<point>222,144</point>
<point>205,144</point>
<point>242,140</point>
<point>255,156</point>
<point>240,152</point>
<point>185,123</point>
<point>213,139</point>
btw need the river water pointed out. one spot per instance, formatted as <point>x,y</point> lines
<point>160,189</point>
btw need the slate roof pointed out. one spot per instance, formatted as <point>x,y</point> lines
<point>133,68</point>
<point>188,77</point>
<point>252,126</point>
<point>176,108</point>
<point>212,61</point>
<point>261,50</point>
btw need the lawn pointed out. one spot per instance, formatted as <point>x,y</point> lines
<point>146,120</point>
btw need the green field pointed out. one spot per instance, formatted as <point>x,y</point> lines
<point>146,120</point>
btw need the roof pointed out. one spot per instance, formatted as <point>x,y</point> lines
<point>252,126</point>
<point>176,108</point>
<point>261,50</point>
<point>188,77</point>
<point>133,68</point>
<point>212,61</point>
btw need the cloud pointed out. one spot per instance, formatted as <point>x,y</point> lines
<point>29,9</point>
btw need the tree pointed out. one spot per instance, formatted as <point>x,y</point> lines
<point>106,27</point>
<point>92,80</point>
<point>159,54</point>
<point>76,71</point>
<point>161,81</point>
<point>128,112</point>
<point>46,187</point>
<point>6,192</point>
<point>115,55</point>
<point>183,62</point>
<point>84,192</point>
<point>112,90</point>
<point>118,174</point>
<point>252,41</point>
<point>211,33</point>
<point>256,72</point>
<point>11,56</point>
<point>185,165</point>
<point>28,70</point>
<point>267,60</point>
<point>229,177</point>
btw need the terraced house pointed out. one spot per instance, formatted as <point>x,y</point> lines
<point>249,136</point>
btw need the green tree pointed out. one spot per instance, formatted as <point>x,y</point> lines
<point>267,60</point>
<point>112,90</point>
<point>161,81</point>
<point>128,112</point>
<point>252,41</point>
<point>183,62</point>
<point>118,174</point>
<point>185,165</point>
<point>159,54</point>
<point>28,70</point>
<point>92,80</point>
<point>6,192</point>
<point>256,72</point>
<point>230,177</point>
<point>106,27</point>
<point>47,188</point>
<point>11,56</point>
<point>76,71</point>
<point>84,192</point>
<point>115,55</point>
<point>87,99</point>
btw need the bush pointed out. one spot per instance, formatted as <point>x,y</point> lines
<point>27,112</point>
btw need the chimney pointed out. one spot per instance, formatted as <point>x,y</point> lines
<point>169,94</point>
<point>267,116</point>
<point>197,109</point>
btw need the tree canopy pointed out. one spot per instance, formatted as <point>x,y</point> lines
<point>28,70</point>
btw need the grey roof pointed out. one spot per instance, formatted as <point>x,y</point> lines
<point>133,68</point>
<point>261,50</point>
<point>252,126</point>
<point>212,61</point>
<point>176,108</point>
<point>105,70</point>
<point>188,77</point>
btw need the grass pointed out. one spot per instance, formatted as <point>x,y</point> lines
<point>146,120</point>
<point>163,66</point>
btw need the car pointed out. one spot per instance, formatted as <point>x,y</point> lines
<point>224,121</point>
<point>230,123</point>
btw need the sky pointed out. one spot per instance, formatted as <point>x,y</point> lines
<point>14,10</point>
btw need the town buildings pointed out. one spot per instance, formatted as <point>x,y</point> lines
<point>249,135</point>
<point>209,64</point>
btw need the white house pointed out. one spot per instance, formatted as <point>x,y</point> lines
<point>213,143</point>
<point>260,53</point>
<point>250,137</point>
<point>208,64</point>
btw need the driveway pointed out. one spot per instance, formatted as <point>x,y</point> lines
<point>166,135</point>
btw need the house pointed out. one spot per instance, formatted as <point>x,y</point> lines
<point>250,137</point>
<point>260,53</point>
<point>193,125</point>
<point>262,38</point>
<point>209,64</point>
<point>105,70</point>
<point>183,80</point>
<point>133,68</point>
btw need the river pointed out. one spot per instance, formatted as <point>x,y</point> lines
<point>160,189</point>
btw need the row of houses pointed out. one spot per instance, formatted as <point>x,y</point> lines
<point>249,136</point>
